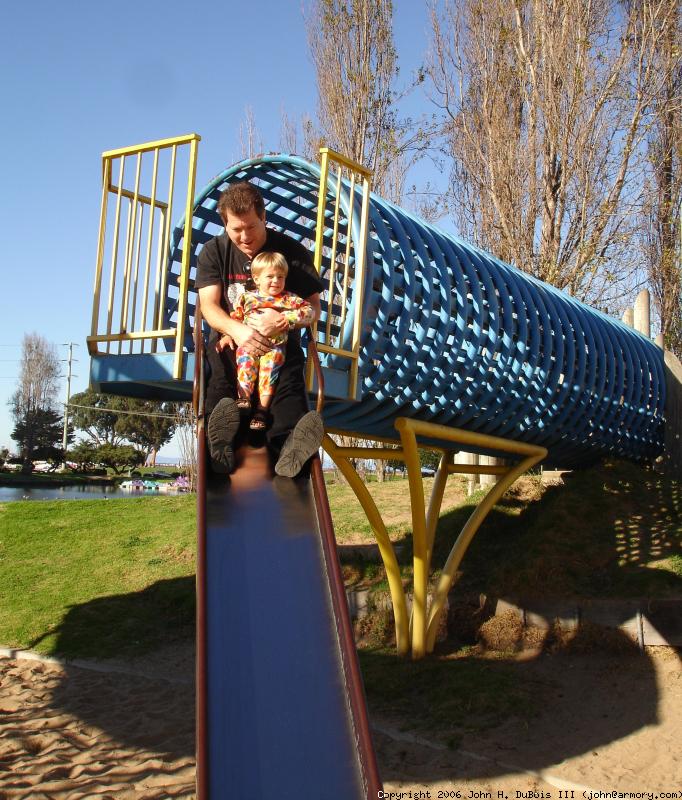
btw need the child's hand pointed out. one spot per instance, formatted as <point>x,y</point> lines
<point>225,341</point>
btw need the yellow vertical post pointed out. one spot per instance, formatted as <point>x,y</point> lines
<point>150,239</point>
<point>419,543</point>
<point>467,534</point>
<point>435,503</point>
<point>332,259</point>
<point>424,622</point>
<point>321,205</point>
<point>164,241</point>
<point>319,244</point>
<point>138,248</point>
<point>184,273</point>
<point>340,457</point>
<point>114,250</point>
<point>106,179</point>
<point>129,248</point>
<point>346,257</point>
<point>360,256</point>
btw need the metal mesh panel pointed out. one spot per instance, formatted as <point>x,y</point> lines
<point>454,336</point>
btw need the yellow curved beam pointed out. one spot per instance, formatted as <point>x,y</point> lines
<point>421,627</point>
<point>424,628</point>
<point>464,540</point>
<point>395,584</point>
<point>419,540</point>
<point>435,503</point>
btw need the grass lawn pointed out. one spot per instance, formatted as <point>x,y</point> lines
<point>614,530</point>
<point>449,694</point>
<point>393,501</point>
<point>92,578</point>
<point>95,578</point>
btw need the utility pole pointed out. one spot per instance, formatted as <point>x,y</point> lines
<point>70,359</point>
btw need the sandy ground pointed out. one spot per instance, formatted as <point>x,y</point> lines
<point>606,722</point>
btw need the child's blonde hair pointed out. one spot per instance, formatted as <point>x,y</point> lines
<point>269,261</point>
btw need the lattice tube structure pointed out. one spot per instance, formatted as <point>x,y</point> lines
<point>454,336</point>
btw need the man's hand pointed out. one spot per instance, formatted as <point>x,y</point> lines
<point>268,322</point>
<point>251,340</point>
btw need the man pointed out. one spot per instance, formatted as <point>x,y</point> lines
<point>223,272</point>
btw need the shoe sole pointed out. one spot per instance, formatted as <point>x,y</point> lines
<point>223,424</point>
<point>303,442</point>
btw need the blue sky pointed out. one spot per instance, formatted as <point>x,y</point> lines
<point>81,78</point>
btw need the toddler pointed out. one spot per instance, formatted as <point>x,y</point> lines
<point>269,272</point>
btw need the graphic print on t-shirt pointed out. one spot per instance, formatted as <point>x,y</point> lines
<point>234,292</point>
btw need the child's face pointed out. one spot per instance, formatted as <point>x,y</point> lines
<point>270,281</point>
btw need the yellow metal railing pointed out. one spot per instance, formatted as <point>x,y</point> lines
<point>132,253</point>
<point>344,185</point>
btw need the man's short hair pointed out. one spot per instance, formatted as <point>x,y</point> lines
<point>268,260</point>
<point>240,198</point>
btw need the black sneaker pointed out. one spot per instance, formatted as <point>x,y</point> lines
<point>223,424</point>
<point>302,443</point>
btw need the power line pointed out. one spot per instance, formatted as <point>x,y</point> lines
<point>121,411</point>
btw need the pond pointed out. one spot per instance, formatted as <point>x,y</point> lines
<point>75,492</point>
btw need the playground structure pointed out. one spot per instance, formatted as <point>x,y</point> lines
<point>424,341</point>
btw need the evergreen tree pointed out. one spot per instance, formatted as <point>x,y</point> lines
<point>37,426</point>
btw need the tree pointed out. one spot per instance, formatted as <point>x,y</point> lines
<point>429,459</point>
<point>40,434</point>
<point>543,108</point>
<point>663,199</point>
<point>84,455</point>
<point>113,420</point>
<point>118,457</point>
<point>96,415</point>
<point>185,427</point>
<point>351,43</point>
<point>250,140</point>
<point>148,425</point>
<point>36,423</point>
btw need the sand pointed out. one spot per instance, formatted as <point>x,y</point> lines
<point>606,722</point>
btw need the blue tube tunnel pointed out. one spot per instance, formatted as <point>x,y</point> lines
<point>452,335</point>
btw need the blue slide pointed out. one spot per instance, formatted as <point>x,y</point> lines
<point>281,710</point>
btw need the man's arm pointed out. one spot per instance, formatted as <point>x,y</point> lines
<point>270,322</point>
<point>253,341</point>
<point>314,301</point>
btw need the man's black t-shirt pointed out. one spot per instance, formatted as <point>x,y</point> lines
<point>222,262</point>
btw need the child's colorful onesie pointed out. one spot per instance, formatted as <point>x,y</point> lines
<point>266,368</point>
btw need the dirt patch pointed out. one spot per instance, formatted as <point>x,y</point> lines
<point>607,721</point>
<point>503,632</point>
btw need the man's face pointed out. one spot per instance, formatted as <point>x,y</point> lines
<point>247,231</point>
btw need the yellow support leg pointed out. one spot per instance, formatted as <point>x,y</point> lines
<point>419,540</point>
<point>421,628</point>
<point>424,628</point>
<point>435,503</point>
<point>340,456</point>
<point>464,540</point>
